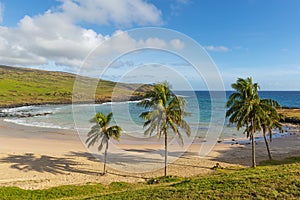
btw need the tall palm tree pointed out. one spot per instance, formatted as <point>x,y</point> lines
<point>102,131</point>
<point>166,112</point>
<point>271,120</point>
<point>245,109</point>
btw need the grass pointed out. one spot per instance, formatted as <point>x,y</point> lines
<point>271,180</point>
<point>20,86</point>
<point>291,114</point>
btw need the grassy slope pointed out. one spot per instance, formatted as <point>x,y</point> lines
<point>275,180</point>
<point>291,115</point>
<point>20,86</point>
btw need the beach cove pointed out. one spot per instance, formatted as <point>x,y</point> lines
<point>36,158</point>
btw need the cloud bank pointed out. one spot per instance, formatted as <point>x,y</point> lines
<point>56,36</point>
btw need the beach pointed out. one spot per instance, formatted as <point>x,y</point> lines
<point>37,158</point>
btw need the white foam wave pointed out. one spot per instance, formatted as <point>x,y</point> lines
<point>179,95</point>
<point>120,102</point>
<point>84,105</point>
<point>36,124</point>
<point>17,109</point>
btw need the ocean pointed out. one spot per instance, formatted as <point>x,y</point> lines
<point>206,112</point>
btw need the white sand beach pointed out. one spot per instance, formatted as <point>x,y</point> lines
<point>36,158</point>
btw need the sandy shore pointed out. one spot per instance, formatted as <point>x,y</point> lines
<point>35,158</point>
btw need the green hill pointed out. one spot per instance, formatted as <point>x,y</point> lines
<point>22,86</point>
<point>292,115</point>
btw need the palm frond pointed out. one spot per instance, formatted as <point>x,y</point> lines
<point>186,127</point>
<point>166,110</point>
<point>102,131</point>
<point>114,131</point>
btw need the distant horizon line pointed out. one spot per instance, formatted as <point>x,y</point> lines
<point>200,90</point>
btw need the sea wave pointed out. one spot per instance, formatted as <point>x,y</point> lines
<point>17,109</point>
<point>184,96</point>
<point>83,105</point>
<point>36,124</point>
<point>120,102</point>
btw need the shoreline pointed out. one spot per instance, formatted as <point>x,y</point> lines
<point>105,99</point>
<point>37,158</point>
<point>70,102</point>
<point>196,139</point>
<point>99,101</point>
<point>287,120</point>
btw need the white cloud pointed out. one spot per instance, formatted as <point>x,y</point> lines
<point>155,43</point>
<point>48,37</point>
<point>55,37</point>
<point>117,12</point>
<point>177,44</point>
<point>217,48</point>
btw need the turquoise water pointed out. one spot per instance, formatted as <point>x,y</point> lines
<point>205,112</point>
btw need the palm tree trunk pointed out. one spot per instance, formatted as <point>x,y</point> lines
<point>105,157</point>
<point>267,145</point>
<point>253,150</point>
<point>166,151</point>
<point>253,146</point>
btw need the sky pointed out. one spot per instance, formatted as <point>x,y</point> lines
<point>243,37</point>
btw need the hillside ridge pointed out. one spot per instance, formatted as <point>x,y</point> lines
<point>26,86</point>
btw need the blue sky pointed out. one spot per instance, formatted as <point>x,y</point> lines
<point>244,37</point>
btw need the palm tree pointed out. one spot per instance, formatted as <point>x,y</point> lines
<point>102,131</point>
<point>166,111</point>
<point>245,109</point>
<point>271,120</point>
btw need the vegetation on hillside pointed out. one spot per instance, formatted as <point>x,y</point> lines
<point>291,115</point>
<point>21,86</point>
<point>273,180</point>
